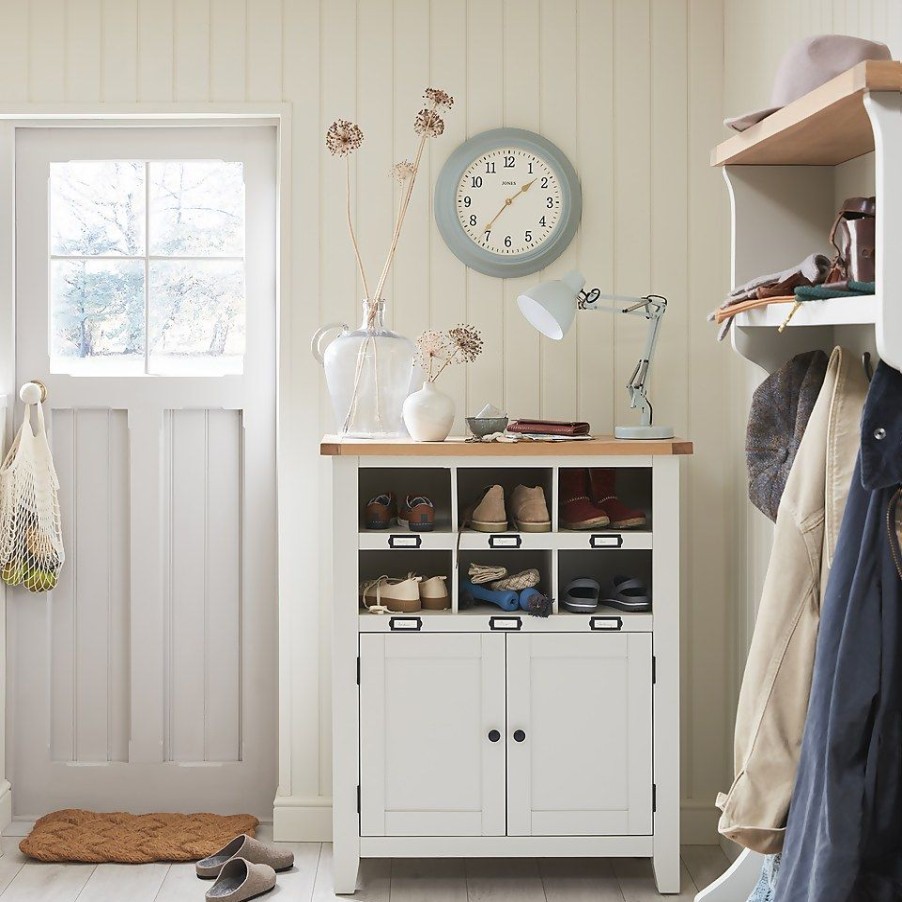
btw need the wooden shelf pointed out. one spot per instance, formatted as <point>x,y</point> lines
<point>831,312</point>
<point>823,128</point>
<point>457,446</point>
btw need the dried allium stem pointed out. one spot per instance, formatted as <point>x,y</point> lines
<point>366,290</point>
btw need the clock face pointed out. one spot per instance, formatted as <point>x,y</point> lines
<point>509,201</point>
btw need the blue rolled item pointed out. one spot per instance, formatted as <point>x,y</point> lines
<point>507,600</point>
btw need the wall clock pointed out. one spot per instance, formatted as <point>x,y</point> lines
<point>507,202</point>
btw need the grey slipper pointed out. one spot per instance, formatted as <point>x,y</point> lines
<point>628,594</point>
<point>250,850</point>
<point>581,595</point>
<point>240,880</point>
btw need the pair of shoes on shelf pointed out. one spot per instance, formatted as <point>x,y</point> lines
<point>243,869</point>
<point>583,595</point>
<point>404,595</point>
<point>528,510</point>
<point>529,598</point>
<point>416,512</point>
<point>589,501</point>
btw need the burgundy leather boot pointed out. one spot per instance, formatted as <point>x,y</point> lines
<point>575,510</point>
<point>603,493</point>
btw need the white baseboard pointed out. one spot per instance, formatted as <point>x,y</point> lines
<point>310,820</point>
<point>296,819</point>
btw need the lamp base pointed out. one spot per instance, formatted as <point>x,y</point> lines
<point>643,432</point>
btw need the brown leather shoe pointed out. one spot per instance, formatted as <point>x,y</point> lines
<point>603,494</point>
<point>417,513</point>
<point>529,510</point>
<point>576,511</point>
<point>380,512</point>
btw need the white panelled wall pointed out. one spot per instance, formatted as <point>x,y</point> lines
<point>632,92</point>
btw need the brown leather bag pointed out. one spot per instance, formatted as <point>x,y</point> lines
<point>853,237</point>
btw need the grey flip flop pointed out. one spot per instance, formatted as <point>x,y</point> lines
<point>581,595</point>
<point>239,880</point>
<point>628,594</point>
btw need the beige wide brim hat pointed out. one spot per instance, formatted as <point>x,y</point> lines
<point>807,65</point>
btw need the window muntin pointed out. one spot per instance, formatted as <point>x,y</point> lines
<point>147,267</point>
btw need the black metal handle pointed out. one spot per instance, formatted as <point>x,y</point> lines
<point>505,540</point>
<point>411,624</point>
<point>494,735</point>
<point>606,540</point>
<point>606,623</point>
<point>505,623</point>
<point>519,736</point>
<point>405,541</point>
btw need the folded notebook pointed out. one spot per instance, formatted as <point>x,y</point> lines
<point>548,427</point>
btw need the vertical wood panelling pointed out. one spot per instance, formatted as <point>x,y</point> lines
<point>264,50</point>
<point>14,54</point>
<point>410,285</point>
<point>632,185</point>
<point>222,628</point>
<point>483,108</point>
<point>191,52</point>
<point>377,192</point>
<point>47,51</point>
<point>228,33</point>
<point>83,50</point>
<point>155,50</point>
<point>595,113</point>
<point>61,612</point>
<point>558,65</point>
<point>187,595</point>
<point>120,50</point>
<point>522,109</point>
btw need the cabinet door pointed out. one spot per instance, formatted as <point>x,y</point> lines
<point>428,704</point>
<point>579,739</point>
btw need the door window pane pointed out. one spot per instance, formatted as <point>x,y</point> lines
<point>196,313</point>
<point>119,306</point>
<point>97,310</point>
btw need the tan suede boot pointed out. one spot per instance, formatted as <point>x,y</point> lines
<point>490,514</point>
<point>529,510</point>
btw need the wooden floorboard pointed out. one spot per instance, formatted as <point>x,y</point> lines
<point>381,880</point>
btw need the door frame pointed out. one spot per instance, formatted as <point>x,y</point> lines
<point>292,532</point>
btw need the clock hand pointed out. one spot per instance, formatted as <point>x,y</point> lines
<point>508,201</point>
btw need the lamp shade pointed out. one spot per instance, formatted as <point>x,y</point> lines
<point>551,306</point>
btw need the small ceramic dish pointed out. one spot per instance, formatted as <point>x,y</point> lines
<point>481,426</point>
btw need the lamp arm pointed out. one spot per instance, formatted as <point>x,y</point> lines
<point>652,307</point>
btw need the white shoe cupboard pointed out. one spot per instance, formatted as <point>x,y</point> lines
<point>482,732</point>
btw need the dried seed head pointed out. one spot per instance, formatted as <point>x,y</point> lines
<point>442,100</point>
<point>429,123</point>
<point>467,342</point>
<point>343,138</point>
<point>403,172</point>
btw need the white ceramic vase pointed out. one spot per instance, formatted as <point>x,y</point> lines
<point>428,414</point>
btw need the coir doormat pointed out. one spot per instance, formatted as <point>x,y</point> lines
<point>90,836</point>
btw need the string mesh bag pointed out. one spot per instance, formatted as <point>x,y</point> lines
<point>31,537</point>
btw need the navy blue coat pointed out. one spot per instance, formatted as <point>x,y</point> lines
<point>844,834</point>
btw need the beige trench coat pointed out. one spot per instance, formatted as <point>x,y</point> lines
<point>773,701</point>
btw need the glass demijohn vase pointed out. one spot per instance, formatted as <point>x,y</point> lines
<point>368,373</point>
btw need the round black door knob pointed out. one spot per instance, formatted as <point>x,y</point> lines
<point>494,735</point>
<point>519,736</point>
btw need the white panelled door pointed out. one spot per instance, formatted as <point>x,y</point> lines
<point>579,712</point>
<point>146,302</point>
<point>432,735</point>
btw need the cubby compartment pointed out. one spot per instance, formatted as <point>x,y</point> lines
<point>514,561</point>
<point>632,485</point>
<point>398,564</point>
<point>603,566</point>
<point>433,482</point>
<point>472,481</point>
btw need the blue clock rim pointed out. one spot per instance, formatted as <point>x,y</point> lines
<point>445,203</point>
